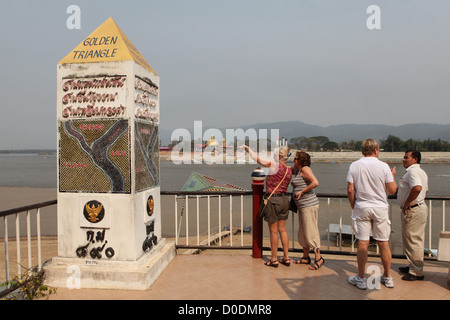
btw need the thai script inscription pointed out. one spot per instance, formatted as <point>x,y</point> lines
<point>95,252</point>
<point>94,83</point>
<point>146,100</point>
<point>151,239</point>
<point>94,97</point>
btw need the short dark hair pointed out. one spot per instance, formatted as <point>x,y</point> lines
<point>303,158</point>
<point>415,154</point>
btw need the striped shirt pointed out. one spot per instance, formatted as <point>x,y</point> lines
<point>307,199</point>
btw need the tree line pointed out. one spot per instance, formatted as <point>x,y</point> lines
<point>390,144</point>
<point>29,151</point>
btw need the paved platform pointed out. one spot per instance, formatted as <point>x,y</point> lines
<point>241,277</point>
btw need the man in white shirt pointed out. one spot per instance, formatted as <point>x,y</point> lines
<point>368,179</point>
<point>413,187</point>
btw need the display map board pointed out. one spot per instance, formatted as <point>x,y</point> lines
<point>146,155</point>
<point>95,156</point>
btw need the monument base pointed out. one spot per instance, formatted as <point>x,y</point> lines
<point>76,273</point>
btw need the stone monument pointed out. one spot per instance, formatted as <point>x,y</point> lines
<point>109,213</point>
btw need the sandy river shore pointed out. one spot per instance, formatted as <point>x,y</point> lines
<point>335,156</point>
<point>391,157</point>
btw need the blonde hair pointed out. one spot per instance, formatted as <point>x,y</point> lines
<point>283,152</point>
<point>369,146</point>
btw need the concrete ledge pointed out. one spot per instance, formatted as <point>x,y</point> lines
<point>126,275</point>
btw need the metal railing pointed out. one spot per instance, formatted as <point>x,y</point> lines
<point>393,206</point>
<point>36,208</point>
<point>192,233</point>
<point>216,229</point>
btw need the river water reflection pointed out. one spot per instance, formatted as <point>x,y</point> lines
<point>38,171</point>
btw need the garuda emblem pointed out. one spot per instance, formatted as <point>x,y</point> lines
<point>94,211</point>
<point>150,205</point>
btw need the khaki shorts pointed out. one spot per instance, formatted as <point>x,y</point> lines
<point>375,220</point>
<point>277,209</point>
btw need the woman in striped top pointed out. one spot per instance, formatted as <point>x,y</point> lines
<point>304,181</point>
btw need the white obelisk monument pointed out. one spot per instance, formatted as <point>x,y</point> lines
<point>109,213</point>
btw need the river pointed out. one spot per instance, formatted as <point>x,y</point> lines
<point>39,171</point>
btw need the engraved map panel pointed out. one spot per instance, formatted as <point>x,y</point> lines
<point>146,155</point>
<point>94,156</point>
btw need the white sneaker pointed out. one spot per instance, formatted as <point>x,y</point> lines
<point>358,282</point>
<point>387,281</point>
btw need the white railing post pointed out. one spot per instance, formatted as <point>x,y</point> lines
<point>353,238</point>
<point>231,220</point>
<point>429,225</point>
<point>392,226</point>
<point>220,219</point>
<point>187,219</point>
<point>328,223</point>
<point>198,221</point>
<point>242,220</point>
<point>5,221</point>
<point>209,220</point>
<point>340,224</point>
<point>19,269</point>
<point>38,229</point>
<point>292,229</point>
<point>29,239</point>
<point>176,220</point>
<point>443,215</point>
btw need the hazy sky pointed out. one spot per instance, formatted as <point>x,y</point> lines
<point>238,62</point>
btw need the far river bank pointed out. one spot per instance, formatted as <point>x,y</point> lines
<point>349,156</point>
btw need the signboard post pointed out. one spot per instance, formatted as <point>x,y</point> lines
<point>109,214</point>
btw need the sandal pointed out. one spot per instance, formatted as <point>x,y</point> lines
<point>316,266</point>
<point>271,263</point>
<point>308,260</point>
<point>286,262</point>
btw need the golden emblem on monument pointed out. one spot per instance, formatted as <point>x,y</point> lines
<point>150,205</point>
<point>94,211</point>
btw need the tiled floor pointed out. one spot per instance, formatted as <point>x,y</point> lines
<point>240,277</point>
